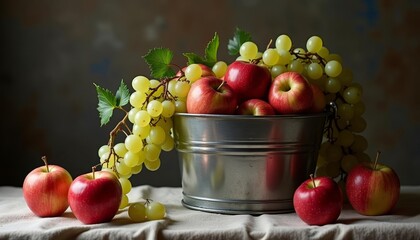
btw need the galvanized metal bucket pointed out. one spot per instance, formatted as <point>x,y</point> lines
<point>239,164</point>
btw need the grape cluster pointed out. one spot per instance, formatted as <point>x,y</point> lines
<point>153,104</point>
<point>344,145</point>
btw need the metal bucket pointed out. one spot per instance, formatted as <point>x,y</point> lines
<point>239,164</point>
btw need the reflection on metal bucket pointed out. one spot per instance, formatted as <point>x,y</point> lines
<point>239,164</point>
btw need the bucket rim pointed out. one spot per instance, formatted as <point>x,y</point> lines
<point>236,116</point>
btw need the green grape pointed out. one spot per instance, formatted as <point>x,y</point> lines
<point>132,159</point>
<point>346,77</point>
<point>156,87</point>
<point>137,169</point>
<point>345,138</point>
<point>219,69</point>
<point>283,42</point>
<point>334,56</point>
<point>125,185</point>
<point>168,108</point>
<point>348,162</point>
<point>168,145</point>
<point>155,211</point>
<point>103,149</point>
<point>295,66</point>
<point>334,153</point>
<point>323,148</point>
<point>277,70</point>
<point>182,88</point>
<point>154,108</point>
<point>120,149</point>
<point>321,170</point>
<point>284,57</point>
<point>122,168</point>
<point>152,165</point>
<point>142,118</point>
<point>333,85</point>
<point>132,113</point>
<point>352,95</point>
<point>171,87</point>
<point>323,52</point>
<point>359,108</point>
<point>314,44</point>
<point>166,124</point>
<point>143,132</point>
<point>299,51</point>
<point>180,106</point>
<point>345,111</point>
<point>193,72</point>
<point>124,201</point>
<point>137,212</point>
<point>357,124</point>
<point>157,135</point>
<point>314,70</point>
<point>360,144</point>
<point>137,99</point>
<point>333,68</point>
<point>140,84</point>
<point>152,152</point>
<point>133,143</point>
<point>248,50</point>
<point>270,56</point>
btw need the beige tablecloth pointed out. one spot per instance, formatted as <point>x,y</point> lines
<point>18,222</point>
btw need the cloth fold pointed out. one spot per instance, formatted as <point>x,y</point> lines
<point>18,222</point>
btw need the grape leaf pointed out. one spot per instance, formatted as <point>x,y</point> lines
<point>210,53</point>
<point>159,60</point>
<point>123,95</point>
<point>238,39</point>
<point>107,103</point>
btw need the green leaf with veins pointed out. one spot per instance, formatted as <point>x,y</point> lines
<point>123,95</point>
<point>159,61</point>
<point>210,53</point>
<point>107,103</point>
<point>238,39</point>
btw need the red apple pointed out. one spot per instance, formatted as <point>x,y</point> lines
<point>319,101</point>
<point>318,201</point>
<point>372,188</point>
<point>45,190</point>
<point>211,95</point>
<point>290,93</point>
<point>248,80</point>
<point>256,107</point>
<point>95,197</point>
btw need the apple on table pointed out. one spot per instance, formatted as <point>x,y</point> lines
<point>318,201</point>
<point>95,197</point>
<point>211,95</point>
<point>45,190</point>
<point>373,188</point>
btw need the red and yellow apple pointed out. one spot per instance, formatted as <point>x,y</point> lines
<point>318,201</point>
<point>290,93</point>
<point>211,95</point>
<point>256,107</point>
<point>45,190</point>
<point>372,188</point>
<point>95,197</point>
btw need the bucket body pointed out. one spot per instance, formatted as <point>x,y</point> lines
<point>240,164</point>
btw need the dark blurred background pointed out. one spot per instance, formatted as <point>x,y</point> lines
<point>53,51</point>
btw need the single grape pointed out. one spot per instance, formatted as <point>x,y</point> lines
<point>155,211</point>
<point>345,138</point>
<point>142,118</point>
<point>314,70</point>
<point>125,185</point>
<point>352,95</point>
<point>133,143</point>
<point>154,108</point>
<point>137,212</point>
<point>219,69</point>
<point>168,108</point>
<point>143,132</point>
<point>124,201</point>
<point>277,70</point>
<point>180,106</point>
<point>103,149</point>
<point>358,124</point>
<point>348,162</point>
<point>359,108</point>
<point>122,168</point>
<point>168,145</point>
<point>360,144</point>
<point>132,113</point>
<point>182,88</point>
<point>283,42</point>
<point>141,84</point>
<point>132,159</point>
<point>334,153</point>
<point>270,57</point>
<point>157,135</point>
<point>333,68</point>
<point>137,169</point>
<point>345,111</point>
<point>248,50</point>
<point>295,66</point>
<point>155,86</point>
<point>152,165</point>
<point>314,44</point>
<point>333,85</point>
<point>284,57</point>
<point>120,149</point>
<point>137,99</point>
<point>193,72</point>
<point>152,152</point>
<point>323,52</point>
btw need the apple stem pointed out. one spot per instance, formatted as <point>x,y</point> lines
<point>221,84</point>
<point>44,159</point>
<point>313,181</point>
<point>376,160</point>
<point>93,172</point>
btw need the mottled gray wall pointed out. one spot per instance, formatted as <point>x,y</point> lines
<point>52,52</point>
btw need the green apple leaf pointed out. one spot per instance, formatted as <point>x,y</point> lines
<point>210,53</point>
<point>107,103</point>
<point>123,95</point>
<point>238,39</point>
<point>159,61</point>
